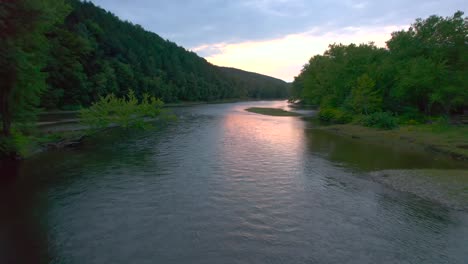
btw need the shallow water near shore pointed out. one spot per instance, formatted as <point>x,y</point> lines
<point>223,185</point>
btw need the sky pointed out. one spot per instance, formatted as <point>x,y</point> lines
<point>274,37</point>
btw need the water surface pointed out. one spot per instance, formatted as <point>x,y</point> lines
<point>222,185</point>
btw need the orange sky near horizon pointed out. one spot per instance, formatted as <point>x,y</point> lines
<point>284,57</point>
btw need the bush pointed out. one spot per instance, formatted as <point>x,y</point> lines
<point>327,115</point>
<point>441,121</point>
<point>411,122</point>
<point>17,144</point>
<point>124,112</point>
<point>382,120</point>
<point>333,115</point>
<point>411,116</point>
<point>7,147</point>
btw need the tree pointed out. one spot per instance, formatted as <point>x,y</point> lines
<point>364,98</point>
<point>432,57</point>
<point>23,53</point>
<point>424,69</point>
<point>67,81</point>
<point>126,112</point>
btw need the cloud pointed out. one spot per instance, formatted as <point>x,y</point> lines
<point>274,37</point>
<point>284,57</point>
<point>361,5</point>
<point>186,21</point>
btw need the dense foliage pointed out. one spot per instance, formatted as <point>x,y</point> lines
<point>424,70</point>
<point>125,112</point>
<point>253,85</point>
<point>382,120</point>
<point>24,49</point>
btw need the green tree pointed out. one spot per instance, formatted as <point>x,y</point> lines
<point>424,68</point>
<point>432,56</point>
<point>23,54</point>
<point>68,83</point>
<point>126,112</point>
<point>364,97</point>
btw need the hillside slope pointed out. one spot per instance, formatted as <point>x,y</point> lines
<point>95,53</point>
<point>257,85</point>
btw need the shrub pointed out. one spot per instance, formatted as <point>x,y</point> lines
<point>124,112</point>
<point>327,115</point>
<point>411,122</point>
<point>18,144</point>
<point>382,120</point>
<point>441,121</point>
<point>411,116</point>
<point>7,147</point>
<point>333,115</point>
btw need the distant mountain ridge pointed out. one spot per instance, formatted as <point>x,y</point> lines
<point>265,86</point>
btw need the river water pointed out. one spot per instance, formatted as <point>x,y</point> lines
<point>222,185</point>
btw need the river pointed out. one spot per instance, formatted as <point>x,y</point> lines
<point>222,185</point>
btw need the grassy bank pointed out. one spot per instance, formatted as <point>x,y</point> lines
<point>442,139</point>
<point>271,111</point>
<point>194,103</point>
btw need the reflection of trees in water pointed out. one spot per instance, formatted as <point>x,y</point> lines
<point>359,154</point>
<point>409,211</point>
<point>24,204</point>
<point>22,237</point>
<point>416,209</point>
<point>430,225</point>
<point>421,217</point>
<point>107,150</point>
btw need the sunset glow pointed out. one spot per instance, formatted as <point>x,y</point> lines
<point>284,57</point>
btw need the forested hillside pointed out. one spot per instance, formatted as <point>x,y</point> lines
<point>424,71</point>
<point>254,85</point>
<point>67,54</point>
<point>94,53</point>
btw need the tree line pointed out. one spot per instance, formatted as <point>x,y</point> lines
<point>422,71</point>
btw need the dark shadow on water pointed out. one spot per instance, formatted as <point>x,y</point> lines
<point>22,238</point>
<point>358,154</point>
<point>24,187</point>
<point>416,208</point>
<point>130,149</point>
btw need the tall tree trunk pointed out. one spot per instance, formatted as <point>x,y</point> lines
<point>6,116</point>
<point>5,113</point>
<point>5,108</point>
<point>8,75</point>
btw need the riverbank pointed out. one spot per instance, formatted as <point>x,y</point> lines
<point>442,140</point>
<point>64,117</point>
<point>447,187</point>
<point>62,129</point>
<point>271,111</point>
<point>448,140</point>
